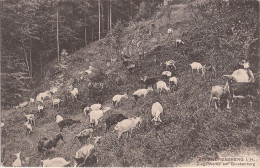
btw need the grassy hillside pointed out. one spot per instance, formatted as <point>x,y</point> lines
<point>190,128</point>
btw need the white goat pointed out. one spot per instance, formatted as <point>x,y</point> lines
<point>95,116</point>
<point>157,109</point>
<point>173,81</point>
<point>170,63</point>
<point>178,42</point>
<point>55,162</point>
<point>21,105</point>
<point>86,150</point>
<point>170,31</point>
<point>17,162</point>
<point>161,85</point>
<point>56,102</point>
<point>116,99</point>
<point>242,75</point>
<point>198,67</point>
<point>43,95</point>
<point>59,118</point>
<point>30,118</point>
<point>28,127</point>
<point>40,108</point>
<point>74,92</point>
<point>2,124</point>
<point>92,107</point>
<point>141,92</point>
<point>166,73</point>
<point>127,125</point>
<point>31,100</point>
<point>219,92</point>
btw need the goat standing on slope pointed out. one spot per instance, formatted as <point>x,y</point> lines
<point>157,110</point>
<point>161,85</point>
<point>17,162</point>
<point>141,92</point>
<point>116,99</point>
<point>127,125</point>
<point>198,67</point>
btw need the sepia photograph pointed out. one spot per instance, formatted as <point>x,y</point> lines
<point>130,83</point>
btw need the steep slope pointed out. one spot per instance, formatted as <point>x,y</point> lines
<point>190,128</point>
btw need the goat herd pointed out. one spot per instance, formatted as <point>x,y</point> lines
<point>240,84</point>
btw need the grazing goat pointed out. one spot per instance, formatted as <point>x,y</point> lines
<point>17,162</point>
<point>173,81</point>
<point>170,31</point>
<point>241,75</point>
<point>30,118</point>
<point>157,109</point>
<point>59,118</point>
<point>66,123</point>
<point>56,102</point>
<point>74,93</point>
<point>44,144</point>
<point>95,116</point>
<point>242,90</point>
<point>21,105</point>
<point>179,42</point>
<point>90,161</point>
<point>166,74</point>
<point>40,109</point>
<point>86,150</point>
<point>169,64</point>
<point>148,81</point>
<point>92,107</point>
<point>116,99</point>
<point>114,119</point>
<point>161,85</point>
<point>220,92</point>
<point>31,100</point>
<point>127,125</point>
<point>55,162</point>
<point>141,92</point>
<point>42,96</point>
<point>84,135</point>
<point>198,67</point>
<point>28,127</point>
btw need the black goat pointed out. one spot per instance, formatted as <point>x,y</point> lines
<point>243,90</point>
<point>114,119</point>
<point>90,161</point>
<point>45,145</point>
<point>148,81</point>
<point>67,123</point>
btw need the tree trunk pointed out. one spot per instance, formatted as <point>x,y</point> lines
<point>85,38</point>
<point>102,17</point>
<point>92,34</point>
<point>58,45</point>
<point>108,3</point>
<point>110,15</point>
<point>99,20</point>
<point>26,60</point>
<point>31,57</point>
